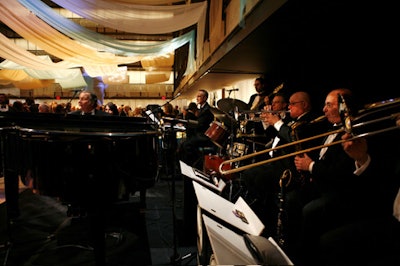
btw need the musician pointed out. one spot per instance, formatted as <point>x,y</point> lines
<point>191,114</point>
<point>262,182</point>
<point>190,154</point>
<point>256,101</point>
<point>88,105</point>
<point>266,131</point>
<point>369,225</point>
<point>337,191</point>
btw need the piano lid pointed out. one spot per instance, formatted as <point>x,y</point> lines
<point>53,123</point>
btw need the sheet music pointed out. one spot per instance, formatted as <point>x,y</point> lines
<point>201,177</point>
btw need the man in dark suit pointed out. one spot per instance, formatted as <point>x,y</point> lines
<point>256,101</point>
<point>262,182</point>
<point>376,229</point>
<point>334,183</point>
<point>189,152</point>
<point>88,105</point>
<point>191,115</point>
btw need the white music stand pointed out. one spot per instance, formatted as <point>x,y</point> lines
<point>228,211</point>
<point>228,247</point>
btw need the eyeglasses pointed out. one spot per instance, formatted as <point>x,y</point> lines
<point>329,105</point>
<point>294,103</point>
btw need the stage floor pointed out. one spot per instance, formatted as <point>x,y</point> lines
<point>43,234</point>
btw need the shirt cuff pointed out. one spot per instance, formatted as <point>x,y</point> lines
<point>310,167</point>
<point>278,125</point>
<point>361,168</point>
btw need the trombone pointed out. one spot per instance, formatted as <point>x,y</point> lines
<point>346,128</point>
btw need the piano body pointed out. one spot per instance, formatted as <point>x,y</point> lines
<point>88,162</point>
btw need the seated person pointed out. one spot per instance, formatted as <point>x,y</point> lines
<point>348,194</point>
<point>262,182</point>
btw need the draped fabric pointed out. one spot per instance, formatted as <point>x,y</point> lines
<point>91,38</point>
<point>23,58</point>
<point>126,15</point>
<point>21,76</point>
<point>147,2</point>
<point>100,55</point>
<point>35,30</point>
<point>30,27</point>
<point>7,76</point>
<point>130,17</point>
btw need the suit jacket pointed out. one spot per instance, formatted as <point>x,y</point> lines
<point>286,135</point>
<point>204,119</point>
<point>261,103</point>
<point>190,128</point>
<point>96,113</point>
<point>334,171</point>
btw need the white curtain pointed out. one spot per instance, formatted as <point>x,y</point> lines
<point>130,17</point>
<point>127,15</point>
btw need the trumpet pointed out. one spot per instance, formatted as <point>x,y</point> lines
<point>265,111</point>
<point>348,127</point>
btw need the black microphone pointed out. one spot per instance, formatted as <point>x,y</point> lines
<point>237,89</point>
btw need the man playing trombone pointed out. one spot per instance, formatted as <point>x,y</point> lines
<point>342,192</point>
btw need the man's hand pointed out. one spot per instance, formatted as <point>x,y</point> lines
<point>356,148</point>
<point>302,162</point>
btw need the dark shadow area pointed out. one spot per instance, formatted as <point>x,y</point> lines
<point>44,235</point>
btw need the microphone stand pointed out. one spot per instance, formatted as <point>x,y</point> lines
<point>170,144</point>
<point>73,96</point>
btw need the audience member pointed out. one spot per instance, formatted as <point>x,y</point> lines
<point>18,106</point>
<point>31,105</point>
<point>168,110</point>
<point>138,112</point>
<point>88,105</point>
<point>5,103</point>
<point>111,108</point>
<point>125,111</point>
<point>44,108</point>
<point>176,110</point>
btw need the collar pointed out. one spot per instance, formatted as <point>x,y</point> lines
<point>90,113</point>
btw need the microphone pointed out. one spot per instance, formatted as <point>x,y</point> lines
<point>177,95</point>
<point>237,89</point>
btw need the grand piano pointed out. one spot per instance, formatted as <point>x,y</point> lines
<point>88,162</point>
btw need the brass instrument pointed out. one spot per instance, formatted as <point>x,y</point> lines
<point>348,127</point>
<point>264,111</point>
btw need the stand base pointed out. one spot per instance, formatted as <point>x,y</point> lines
<point>177,259</point>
